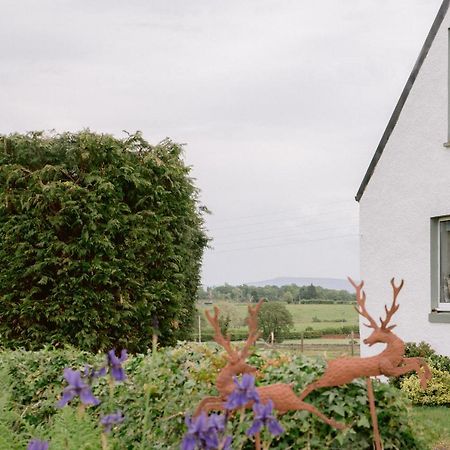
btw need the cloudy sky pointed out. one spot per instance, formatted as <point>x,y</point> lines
<point>281,104</point>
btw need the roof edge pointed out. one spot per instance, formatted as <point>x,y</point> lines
<point>403,97</point>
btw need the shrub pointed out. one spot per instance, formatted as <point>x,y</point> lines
<point>437,391</point>
<point>100,239</point>
<point>161,388</point>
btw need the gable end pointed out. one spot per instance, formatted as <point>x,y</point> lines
<point>403,97</point>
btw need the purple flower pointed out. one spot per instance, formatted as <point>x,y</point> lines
<point>36,444</point>
<point>264,418</point>
<point>115,364</point>
<point>243,393</point>
<point>110,420</point>
<point>205,433</point>
<point>90,373</point>
<point>76,387</point>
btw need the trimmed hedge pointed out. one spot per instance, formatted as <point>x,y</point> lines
<point>162,388</point>
<point>237,335</point>
<point>100,240</point>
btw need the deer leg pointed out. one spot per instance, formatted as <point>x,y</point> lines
<point>303,406</point>
<point>425,374</point>
<point>410,365</point>
<point>209,404</point>
<point>311,387</point>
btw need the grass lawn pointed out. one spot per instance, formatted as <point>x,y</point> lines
<point>433,424</point>
<point>330,316</point>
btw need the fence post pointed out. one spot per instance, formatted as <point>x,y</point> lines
<point>352,343</point>
<point>199,329</point>
<point>301,342</point>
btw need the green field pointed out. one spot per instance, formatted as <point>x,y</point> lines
<point>330,316</point>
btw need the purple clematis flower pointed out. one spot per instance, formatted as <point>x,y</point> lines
<point>204,433</point>
<point>115,364</point>
<point>36,444</point>
<point>264,418</point>
<point>76,387</point>
<point>110,420</point>
<point>243,393</point>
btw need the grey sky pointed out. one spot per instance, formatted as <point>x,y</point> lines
<point>281,104</point>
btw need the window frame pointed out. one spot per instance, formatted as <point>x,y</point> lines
<point>440,306</point>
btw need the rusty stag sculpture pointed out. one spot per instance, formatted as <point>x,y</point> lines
<point>390,362</point>
<point>282,395</point>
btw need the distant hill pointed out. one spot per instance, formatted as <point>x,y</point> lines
<point>327,283</point>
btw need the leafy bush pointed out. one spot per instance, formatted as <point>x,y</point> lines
<point>437,392</point>
<point>99,239</point>
<point>160,389</point>
<point>438,389</point>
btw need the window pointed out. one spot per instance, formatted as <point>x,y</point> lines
<point>444,264</point>
<point>440,270</point>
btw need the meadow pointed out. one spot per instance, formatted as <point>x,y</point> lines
<point>315,316</point>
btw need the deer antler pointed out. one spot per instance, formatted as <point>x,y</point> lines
<point>219,337</point>
<point>361,301</point>
<point>253,333</point>
<point>394,307</point>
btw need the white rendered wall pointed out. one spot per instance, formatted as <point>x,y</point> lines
<point>411,184</point>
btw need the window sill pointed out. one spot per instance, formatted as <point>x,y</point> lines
<point>439,317</point>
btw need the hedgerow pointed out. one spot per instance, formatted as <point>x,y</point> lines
<point>162,388</point>
<point>101,241</point>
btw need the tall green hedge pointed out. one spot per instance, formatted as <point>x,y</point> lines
<point>100,239</point>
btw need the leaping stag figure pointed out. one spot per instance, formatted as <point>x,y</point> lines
<point>390,362</point>
<point>282,395</point>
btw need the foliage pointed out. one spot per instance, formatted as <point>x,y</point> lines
<point>438,389</point>
<point>437,392</point>
<point>275,318</point>
<point>98,238</point>
<point>290,294</point>
<point>160,389</point>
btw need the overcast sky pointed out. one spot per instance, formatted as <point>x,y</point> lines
<point>281,104</point>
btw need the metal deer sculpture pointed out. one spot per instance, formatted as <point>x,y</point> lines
<point>282,395</point>
<point>390,362</point>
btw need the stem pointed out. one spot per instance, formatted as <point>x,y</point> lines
<point>111,390</point>
<point>81,409</point>
<point>104,439</point>
<point>146,411</point>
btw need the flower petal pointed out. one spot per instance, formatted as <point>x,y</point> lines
<point>274,427</point>
<point>87,398</point>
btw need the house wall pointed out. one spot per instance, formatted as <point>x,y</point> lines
<point>411,184</point>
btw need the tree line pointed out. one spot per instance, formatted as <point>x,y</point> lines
<point>289,293</point>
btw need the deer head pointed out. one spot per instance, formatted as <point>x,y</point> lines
<point>383,332</point>
<point>236,358</point>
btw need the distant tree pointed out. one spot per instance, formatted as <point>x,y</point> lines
<point>275,317</point>
<point>229,316</point>
<point>288,297</point>
<point>311,292</point>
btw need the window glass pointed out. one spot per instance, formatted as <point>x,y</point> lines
<point>444,261</point>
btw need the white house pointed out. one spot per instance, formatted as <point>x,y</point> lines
<point>404,201</point>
